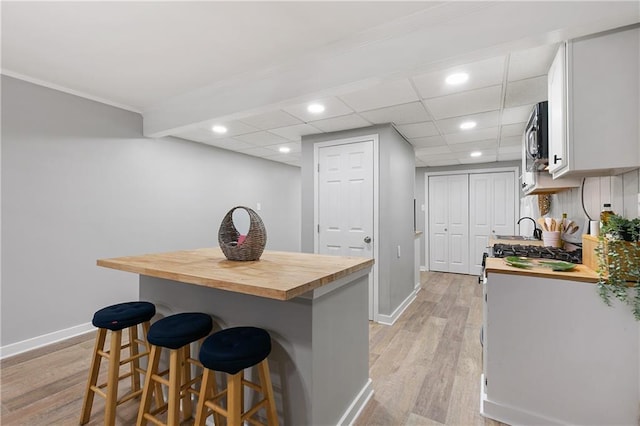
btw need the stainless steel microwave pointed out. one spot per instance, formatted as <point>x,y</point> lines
<point>536,138</point>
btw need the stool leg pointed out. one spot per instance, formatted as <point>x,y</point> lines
<point>234,385</point>
<point>158,391</point>
<point>267,389</point>
<point>112,380</point>
<point>175,361</point>
<point>206,386</point>
<point>94,370</point>
<point>135,363</point>
<point>186,378</point>
<point>152,368</point>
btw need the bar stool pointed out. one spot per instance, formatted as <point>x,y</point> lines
<point>116,318</point>
<point>231,351</point>
<point>176,333</point>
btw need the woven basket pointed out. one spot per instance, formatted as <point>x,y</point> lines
<point>252,246</point>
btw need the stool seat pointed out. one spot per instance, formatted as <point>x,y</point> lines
<point>177,330</point>
<point>234,349</point>
<point>123,315</point>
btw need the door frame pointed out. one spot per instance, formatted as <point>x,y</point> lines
<point>516,198</point>
<point>373,301</point>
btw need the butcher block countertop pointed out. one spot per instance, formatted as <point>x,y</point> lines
<point>579,273</point>
<point>277,275</point>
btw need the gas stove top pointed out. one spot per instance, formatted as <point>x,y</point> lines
<point>504,250</point>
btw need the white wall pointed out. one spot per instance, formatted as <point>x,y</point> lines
<point>396,193</point>
<point>80,182</point>
<point>621,191</point>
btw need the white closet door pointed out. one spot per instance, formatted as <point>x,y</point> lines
<point>491,212</point>
<point>448,224</point>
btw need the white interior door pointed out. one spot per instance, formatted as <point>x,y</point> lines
<point>448,223</point>
<point>345,203</point>
<point>492,212</point>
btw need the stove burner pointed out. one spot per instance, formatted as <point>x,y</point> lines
<point>537,252</point>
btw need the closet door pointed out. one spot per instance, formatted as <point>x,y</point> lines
<point>491,212</point>
<point>449,223</point>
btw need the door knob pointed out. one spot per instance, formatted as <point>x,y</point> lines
<point>367,240</point>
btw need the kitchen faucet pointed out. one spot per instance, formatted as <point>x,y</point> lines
<point>537,232</point>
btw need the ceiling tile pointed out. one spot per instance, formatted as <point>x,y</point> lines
<point>510,149</point>
<point>482,159</point>
<point>474,146</point>
<point>483,73</point>
<point>516,114</point>
<point>271,120</point>
<point>526,92</point>
<point>474,135</point>
<point>531,62</point>
<point>383,95</point>
<point>229,143</point>
<point>234,128</point>
<point>483,120</point>
<point>294,133</point>
<point>418,130</point>
<point>511,140</point>
<point>261,138</point>
<point>413,112</point>
<point>428,141</point>
<point>345,122</point>
<point>285,157</point>
<point>434,150</point>
<point>509,156</point>
<point>516,129</point>
<point>334,107</point>
<point>464,103</point>
<point>294,147</point>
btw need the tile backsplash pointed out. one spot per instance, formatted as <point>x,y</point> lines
<point>621,191</point>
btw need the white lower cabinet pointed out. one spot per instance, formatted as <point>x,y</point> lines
<point>554,353</point>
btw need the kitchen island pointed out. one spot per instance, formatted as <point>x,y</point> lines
<point>315,307</point>
<point>553,352</point>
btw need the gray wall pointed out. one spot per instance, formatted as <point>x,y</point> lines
<point>396,193</point>
<point>421,216</point>
<point>80,182</point>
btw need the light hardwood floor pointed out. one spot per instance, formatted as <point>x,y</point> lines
<point>425,368</point>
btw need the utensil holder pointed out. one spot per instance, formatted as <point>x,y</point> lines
<point>551,239</point>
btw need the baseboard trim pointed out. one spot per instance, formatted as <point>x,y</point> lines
<point>423,269</point>
<point>12,349</point>
<point>357,405</point>
<point>391,319</point>
<point>511,415</point>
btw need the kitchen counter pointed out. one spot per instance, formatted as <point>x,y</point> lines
<point>579,273</point>
<point>493,241</point>
<point>277,275</point>
<point>314,307</point>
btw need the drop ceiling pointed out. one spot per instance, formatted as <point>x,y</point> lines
<point>255,66</point>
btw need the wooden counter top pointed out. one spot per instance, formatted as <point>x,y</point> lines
<point>579,273</point>
<point>277,275</point>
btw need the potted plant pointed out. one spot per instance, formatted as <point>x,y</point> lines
<point>619,262</point>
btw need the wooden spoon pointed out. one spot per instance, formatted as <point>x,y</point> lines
<point>575,228</point>
<point>554,224</point>
<point>542,224</point>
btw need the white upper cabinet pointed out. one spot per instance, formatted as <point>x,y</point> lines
<point>594,105</point>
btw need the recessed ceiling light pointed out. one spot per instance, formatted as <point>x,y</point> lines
<point>284,149</point>
<point>219,129</point>
<point>476,154</point>
<point>468,125</point>
<point>457,78</point>
<point>315,108</point>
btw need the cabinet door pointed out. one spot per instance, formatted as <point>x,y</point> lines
<point>557,112</point>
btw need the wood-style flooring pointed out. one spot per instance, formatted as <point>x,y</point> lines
<point>425,368</point>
